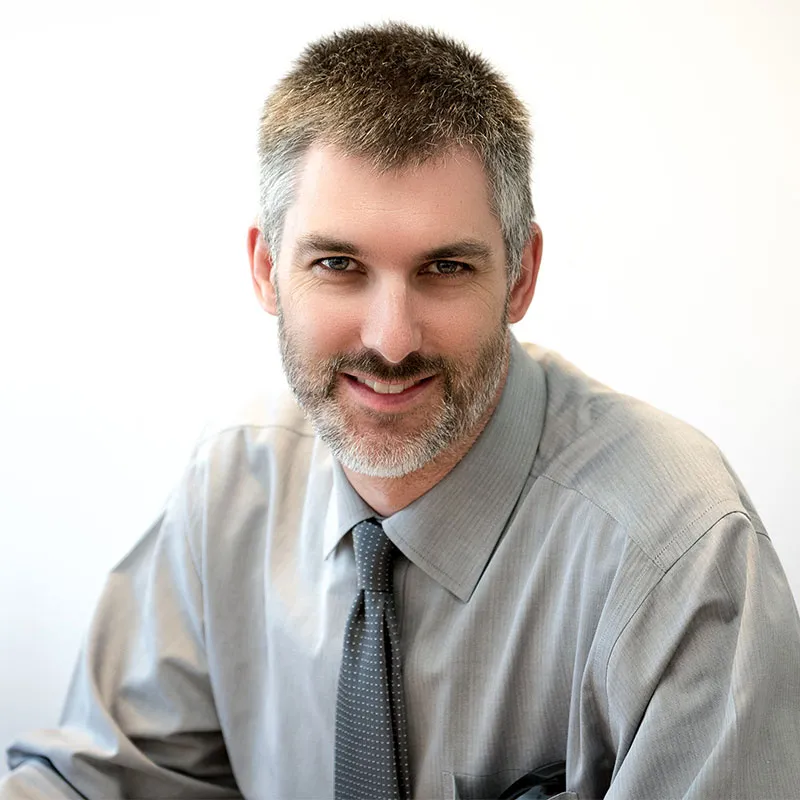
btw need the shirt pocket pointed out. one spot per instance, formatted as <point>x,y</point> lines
<point>460,786</point>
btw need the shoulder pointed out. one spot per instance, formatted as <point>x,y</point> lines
<point>662,480</point>
<point>253,466</point>
<point>264,429</point>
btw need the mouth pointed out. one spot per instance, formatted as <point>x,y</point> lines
<point>393,387</point>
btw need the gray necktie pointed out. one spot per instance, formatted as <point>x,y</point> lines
<point>371,755</point>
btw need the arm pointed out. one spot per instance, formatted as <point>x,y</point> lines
<point>704,682</point>
<point>139,719</point>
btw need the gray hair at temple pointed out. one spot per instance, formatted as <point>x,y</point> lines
<point>399,96</point>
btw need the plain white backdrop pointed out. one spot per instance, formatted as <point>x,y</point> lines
<point>667,183</point>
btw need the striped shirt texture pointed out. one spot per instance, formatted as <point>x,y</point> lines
<point>591,583</point>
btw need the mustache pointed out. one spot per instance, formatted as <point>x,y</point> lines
<point>414,365</point>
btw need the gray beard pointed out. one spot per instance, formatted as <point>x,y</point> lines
<point>383,451</point>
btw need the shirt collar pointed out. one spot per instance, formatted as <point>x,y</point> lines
<point>451,531</point>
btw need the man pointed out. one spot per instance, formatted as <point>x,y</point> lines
<point>463,559</point>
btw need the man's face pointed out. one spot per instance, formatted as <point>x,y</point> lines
<point>391,299</point>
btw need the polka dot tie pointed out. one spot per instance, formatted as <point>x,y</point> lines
<point>371,755</point>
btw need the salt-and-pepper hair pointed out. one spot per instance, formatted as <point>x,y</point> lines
<point>397,95</point>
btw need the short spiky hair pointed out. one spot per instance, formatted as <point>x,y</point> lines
<point>397,95</point>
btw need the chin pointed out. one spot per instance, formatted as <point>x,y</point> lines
<point>389,457</point>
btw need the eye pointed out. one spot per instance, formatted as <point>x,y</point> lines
<point>447,268</point>
<point>335,263</point>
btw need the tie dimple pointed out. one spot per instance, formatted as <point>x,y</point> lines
<point>374,556</point>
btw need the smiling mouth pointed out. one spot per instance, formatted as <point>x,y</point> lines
<point>379,387</point>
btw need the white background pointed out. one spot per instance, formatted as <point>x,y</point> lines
<point>667,182</point>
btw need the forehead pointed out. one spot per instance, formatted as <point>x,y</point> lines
<point>446,198</point>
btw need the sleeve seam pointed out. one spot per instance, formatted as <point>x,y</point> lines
<point>652,589</point>
<point>188,520</point>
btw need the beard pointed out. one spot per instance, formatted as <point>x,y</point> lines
<point>390,445</point>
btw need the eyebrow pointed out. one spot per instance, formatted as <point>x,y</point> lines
<point>463,248</point>
<point>314,243</point>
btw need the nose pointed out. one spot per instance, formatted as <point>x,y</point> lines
<point>391,322</point>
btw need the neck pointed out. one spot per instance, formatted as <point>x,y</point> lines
<point>388,495</point>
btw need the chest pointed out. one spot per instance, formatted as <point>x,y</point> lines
<point>494,686</point>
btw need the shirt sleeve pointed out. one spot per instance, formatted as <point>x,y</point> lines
<point>139,719</point>
<point>704,681</point>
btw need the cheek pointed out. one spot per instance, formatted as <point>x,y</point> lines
<point>323,327</point>
<point>463,325</point>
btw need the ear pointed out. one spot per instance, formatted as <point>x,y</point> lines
<point>261,270</point>
<point>523,289</point>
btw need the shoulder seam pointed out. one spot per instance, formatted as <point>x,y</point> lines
<point>203,439</point>
<point>691,522</point>
<point>597,505</point>
<point>584,496</point>
<point>620,633</point>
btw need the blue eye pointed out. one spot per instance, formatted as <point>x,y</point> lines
<point>447,268</point>
<point>335,263</point>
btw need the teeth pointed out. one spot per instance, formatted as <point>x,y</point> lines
<point>386,388</point>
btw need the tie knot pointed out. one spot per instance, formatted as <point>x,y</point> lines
<point>374,556</point>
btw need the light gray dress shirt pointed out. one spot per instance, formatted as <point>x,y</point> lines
<point>590,583</point>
